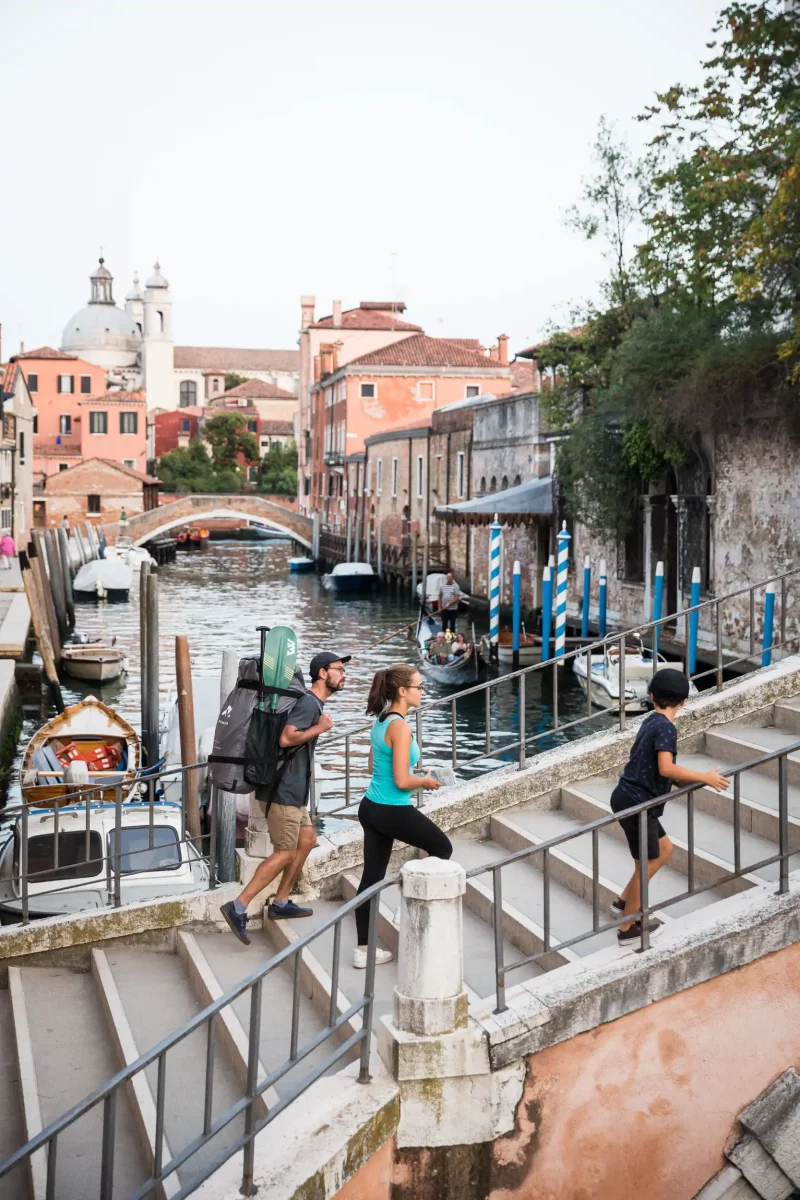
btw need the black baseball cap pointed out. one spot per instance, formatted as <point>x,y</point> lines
<point>669,681</point>
<point>324,659</point>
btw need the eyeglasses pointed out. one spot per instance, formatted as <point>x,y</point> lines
<point>420,687</point>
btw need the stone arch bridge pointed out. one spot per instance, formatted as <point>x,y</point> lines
<point>190,509</point>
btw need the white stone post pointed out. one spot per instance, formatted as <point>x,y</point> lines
<point>430,997</point>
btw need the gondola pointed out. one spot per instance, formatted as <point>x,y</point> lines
<point>456,672</point>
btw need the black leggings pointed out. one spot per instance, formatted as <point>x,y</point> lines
<point>449,620</point>
<point>382,824</point>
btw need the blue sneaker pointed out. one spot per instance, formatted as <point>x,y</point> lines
<point>237,923</point>
<point>289,909</point>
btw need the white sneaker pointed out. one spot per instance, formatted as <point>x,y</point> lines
<point>360,957</point>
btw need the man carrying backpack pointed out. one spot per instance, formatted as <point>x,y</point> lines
<point>290,829</point>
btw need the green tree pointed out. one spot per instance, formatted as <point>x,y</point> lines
<point>187,469</point>
<point>233,380</point>
<point>278,470</point>
<point>228,438</point>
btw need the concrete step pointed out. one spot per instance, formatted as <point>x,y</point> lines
<point>156,996</point>
<point>709,868</point>
<point>523,889</point>
<point>12,1128</point>
<point>740,743</point>
<point>713,823</point>
<point>786,715</point>
<point>615,862</point>
<point>69,1054</point>
<point>230,962</point>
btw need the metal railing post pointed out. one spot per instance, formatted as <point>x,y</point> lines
<point>783,822</point>
<point>23,863</point>
<point>622,713</point>
<point>522,723</point>
<point>369,991</point>
<point>690,839</point>
<point>213,847</point>
<point>644,879</point>
<point>347,747</point>
<point>595,880</point>
<point>752,622</point>
<point>117,846</point>
<point>453,735</point>
<point>497,927</point>
<point>719,645</point>
<point>109,1139</point>
<point>555,693</point>
<point>487,718</point>
<point>252,1084</point>
<point>737,823</point>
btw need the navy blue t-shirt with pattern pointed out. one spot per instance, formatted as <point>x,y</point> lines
<point>641,779</point>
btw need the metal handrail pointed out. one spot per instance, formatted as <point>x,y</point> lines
<point>600,645</point>
<point>544,848</point>
<point>108,1092</point>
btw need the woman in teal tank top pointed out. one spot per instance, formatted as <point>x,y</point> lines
<point>387,812</point>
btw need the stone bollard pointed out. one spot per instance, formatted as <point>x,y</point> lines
<point>430,997</point>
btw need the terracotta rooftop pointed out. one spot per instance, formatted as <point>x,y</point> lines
<point>257,389</point>
<point>424,351</point>
<point>229,358</point>
<point>218,410</point>
<point>118,397</point>
<point>371,314</point>
<point>62,477</point>
<point>45,352</point>
<point>522,378</point>
<point>278,428</point>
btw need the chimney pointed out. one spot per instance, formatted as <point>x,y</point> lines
<point>502,347</point>
<point>336,348</point>
<point>22,347</point>
<point>337,314</point>
<point>493,354</point>
<point>307,311</point>
<point>317,369</point>
<point>326,358</point>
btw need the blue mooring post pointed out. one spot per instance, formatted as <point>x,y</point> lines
<point>547,611</point>
<point>658,604</point>
<point>561,590</point>
<point>495,532</point>
<point>516,616</point>
<point>769,623</point>
<point>603,600</point>
<point>694,620</point>
<point>587,587</point>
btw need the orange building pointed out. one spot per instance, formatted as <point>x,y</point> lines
<point>399,385</point>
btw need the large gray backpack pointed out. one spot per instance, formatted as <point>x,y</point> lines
<point>246,752</point>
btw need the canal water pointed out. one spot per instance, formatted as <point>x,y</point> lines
<point>219,595</point>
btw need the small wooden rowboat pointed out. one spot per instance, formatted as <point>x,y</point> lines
<point>530,648</point>
<point>99,664</point>
<point>89,732</point>
<point>198,537</point>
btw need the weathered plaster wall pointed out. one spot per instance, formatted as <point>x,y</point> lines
<point>374,1180</point>
<point>644,1105</point>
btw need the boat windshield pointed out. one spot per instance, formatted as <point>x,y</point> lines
<point>73,862</point>
<point>136,853</point>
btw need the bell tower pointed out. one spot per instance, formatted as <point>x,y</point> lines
<point>157,357</point>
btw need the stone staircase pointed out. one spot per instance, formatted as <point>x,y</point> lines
<point>67,1026</point>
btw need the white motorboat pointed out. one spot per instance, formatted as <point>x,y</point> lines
<point>132,556</point>
<point>302,564</point>
<point>103,578</point>
<point>153,860</point>
<point>97,664</point>
<point>350,577</point>
<point>603,676</point>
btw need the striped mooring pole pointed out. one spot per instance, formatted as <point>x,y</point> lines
<point>658,604</point>
<point>694,621</point>
<point>587,587</point>
<point>561,590</point>
<point>495,533</point>
<point>602,600</point>
<point>547,611</point>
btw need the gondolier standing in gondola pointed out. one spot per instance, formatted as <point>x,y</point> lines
<point>449,599</point>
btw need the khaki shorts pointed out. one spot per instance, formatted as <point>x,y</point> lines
<point>284,822</point>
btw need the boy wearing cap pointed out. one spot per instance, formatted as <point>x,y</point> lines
<point>650,772</point>
<point>290,829</point>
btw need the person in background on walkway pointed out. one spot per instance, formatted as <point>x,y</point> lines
<point>386,813</point>
<point>290,830</point>
<point>7,549</point>
<point>651,772</point>
<point>65,522</point>
<point>123,521</point>
<point>449,598</point>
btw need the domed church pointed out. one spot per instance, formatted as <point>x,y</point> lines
<point>135,345</point>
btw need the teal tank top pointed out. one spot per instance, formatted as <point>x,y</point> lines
<point>382,787</point>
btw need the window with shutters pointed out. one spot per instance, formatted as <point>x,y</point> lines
<point>33,383</point>
<point>188,393</point>
<point>98,422</point>
<point>86,385</point>
<point>66,384</point>
<point>93,504</point>
<point>460,475</point>
<point>128,422</point>
<point>65,424</point>
<point>22,449</point>
<point>420,476</point>
<point>394,477</point>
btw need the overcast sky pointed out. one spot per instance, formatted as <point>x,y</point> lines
<point>261,149</point>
